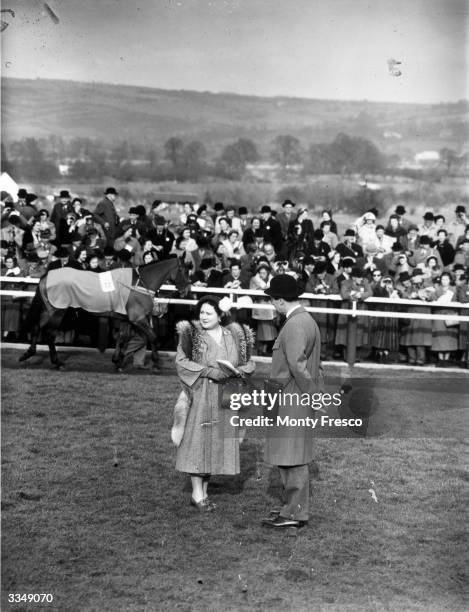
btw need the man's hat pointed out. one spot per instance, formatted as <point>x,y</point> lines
<point>417,272</point>
<point>425,240</point>
<point>206,263</point>
<point>404,276</point>
<point>309,261</point>
<point>347,262</point>
<point>242,210</point>
<point>219,206</point>
<point>288,202</point>
<point>357,272</point>
<point>62,252</point>
<point>30,197</point>
<point>64,194</point>
<point>160,220</point>
<point>460,209</point>
<point>318,234</point>
<point>400,210</point>
<point>428,216</point>
<point>349,232</point>
<point>320,267</point>
<point>266,209</point>
<point>110,190</point>
<point>283,286</point>
<point>22,193</point>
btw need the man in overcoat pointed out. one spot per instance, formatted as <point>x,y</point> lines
<point>106,214</point>
<point>296,369</point>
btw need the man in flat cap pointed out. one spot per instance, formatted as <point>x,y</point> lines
<point>106,214</point>
<point>297,370</point>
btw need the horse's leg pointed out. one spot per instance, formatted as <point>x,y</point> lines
<point>145,327</point>
<point>121,343</point>
<point>32,323</point>
<point>50,331</point>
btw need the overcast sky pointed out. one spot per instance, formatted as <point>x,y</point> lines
<point>336,49</point>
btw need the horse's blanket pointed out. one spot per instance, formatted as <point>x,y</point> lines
<point>92,291</point>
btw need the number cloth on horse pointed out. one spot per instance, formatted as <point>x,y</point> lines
<point>92,291</point>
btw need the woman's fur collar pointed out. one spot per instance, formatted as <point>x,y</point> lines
<point>191,337</point>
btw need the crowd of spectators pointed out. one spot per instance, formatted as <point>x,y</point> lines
<point>240,249</point>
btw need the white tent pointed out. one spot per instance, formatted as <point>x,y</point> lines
<point>9,185</point>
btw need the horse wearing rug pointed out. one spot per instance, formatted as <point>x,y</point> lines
<point>124,293</point>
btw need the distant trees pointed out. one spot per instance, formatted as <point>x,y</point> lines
<point>286,150</point>
<point>235,156</point>
<point>345,155</point>
<point>177,159</point>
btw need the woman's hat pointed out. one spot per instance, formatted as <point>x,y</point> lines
<point>283,286</point>
<point>460,209</point>
<point>349,232</point>
<point>369,215</point>
<point>417,272</point>
<point>288,202</point>
<point>301,210</point>
<point>263,265</point>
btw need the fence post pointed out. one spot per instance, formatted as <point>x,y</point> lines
<point>352,336</point>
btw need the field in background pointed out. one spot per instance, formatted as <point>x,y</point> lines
<point>104,537</point>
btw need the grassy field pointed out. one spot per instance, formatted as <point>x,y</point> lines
<point>100,536</point>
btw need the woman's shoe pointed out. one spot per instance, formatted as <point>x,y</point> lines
<point>208,500</point>
<point>202,505</point>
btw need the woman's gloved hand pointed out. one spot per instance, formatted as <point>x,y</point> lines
<point>214,374</point>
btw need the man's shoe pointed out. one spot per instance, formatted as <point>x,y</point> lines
<point>279,522</point>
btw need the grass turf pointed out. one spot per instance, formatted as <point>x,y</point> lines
<point>105,537</point>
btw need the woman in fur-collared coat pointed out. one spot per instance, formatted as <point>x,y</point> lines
<point>209,445</point>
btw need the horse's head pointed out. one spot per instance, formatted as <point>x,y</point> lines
<point>181,279</point>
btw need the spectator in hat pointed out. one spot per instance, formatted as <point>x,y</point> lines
<point>286,217</point>
<point>322,283</point>
<point>444,248</point>
<point>222,227</point>
<point>187,209</point>
<point>410,242</point>
<point>372,261</point>
<point>462,296</point>
<point>307,226</point>
<point>63,259</point>
<point>90,227</point>
<point>346,264</point>
<point>243,218</point>
<point>296,366</point>
<point>26,206</point>
<point>394,229</point>
<point>440,222</point>
<point>129,241</point>
<point>423,252</point>
<point>365,227</point>
<point>457,227</point>
<point>106,214</point>
<point>383,242</point>
<point>271,229</point>
<point>400,211</point>
<point>416,337</point>
<point>11,307</point>
<point>109,258</point>
<point>349,246</point>
<point>219,209</point>
<point>266,330</point>
<point>237,277</point>
<point>428,227</point>
<point>12,233</point>
<point>68,232</point>
<point>384,331</point>
<point>356,289</point>
<point>61,209</point>
<point>161,236</point>
<point>444,337</point>
<point>233,245</point>
<point>319,249</point>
